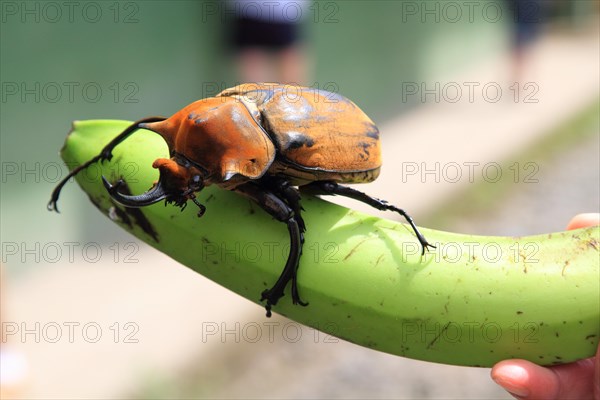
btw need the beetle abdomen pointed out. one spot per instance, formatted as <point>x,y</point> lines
<point>314,130</point>
<point>298,175</point>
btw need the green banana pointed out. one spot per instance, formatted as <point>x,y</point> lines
<point>472,301</point>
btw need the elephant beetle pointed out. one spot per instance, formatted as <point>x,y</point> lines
<point>261,141</point>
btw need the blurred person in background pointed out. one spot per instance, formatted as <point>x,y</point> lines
<point>266,38</point>
<point>526,24</point>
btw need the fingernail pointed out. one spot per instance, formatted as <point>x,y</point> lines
<point>512,387</point>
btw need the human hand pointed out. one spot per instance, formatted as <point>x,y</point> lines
<point>577,380</point>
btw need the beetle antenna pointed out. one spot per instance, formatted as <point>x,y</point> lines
<point>105,155</point>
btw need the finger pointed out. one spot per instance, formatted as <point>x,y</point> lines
<point>526,380</point>
<point>597,375</point>
<point>584,220</point>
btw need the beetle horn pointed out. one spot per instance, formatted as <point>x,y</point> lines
<point>154,195</point>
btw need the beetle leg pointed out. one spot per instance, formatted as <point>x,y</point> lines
<point>201,207</point>
<point>105,155</point>
<point>292,197</point>
<point>281,211</point>
<point>332,188</point>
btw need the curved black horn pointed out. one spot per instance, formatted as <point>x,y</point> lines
<point>154,195</point>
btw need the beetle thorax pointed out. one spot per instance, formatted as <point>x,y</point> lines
<point>221,136</point>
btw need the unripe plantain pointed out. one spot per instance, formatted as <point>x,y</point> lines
<point>472,301</point>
